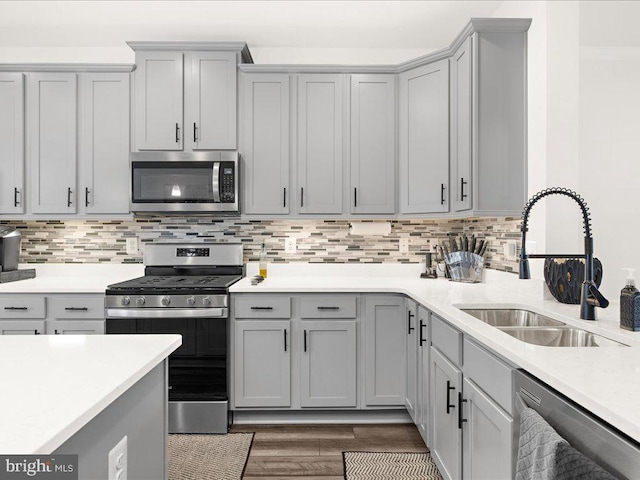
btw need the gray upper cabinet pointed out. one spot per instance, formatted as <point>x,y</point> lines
<point>51,142</point>
<point>159,101</point>
<point>373,144</point>
<point>11,143</point>
<point>424,139</point>
<point>461,84</point>
<point>266,143</point>
<point>210,101</point>
<point>104,142</point>
<point>319,159</point>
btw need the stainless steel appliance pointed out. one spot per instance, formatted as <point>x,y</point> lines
<point>184,291</point>
<point>178,182</point>
<point>10,239</point>
<point>594,438</point>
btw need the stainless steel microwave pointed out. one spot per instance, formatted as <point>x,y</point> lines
<point>179,182</point>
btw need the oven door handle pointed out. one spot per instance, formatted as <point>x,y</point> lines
<point>166,313</point>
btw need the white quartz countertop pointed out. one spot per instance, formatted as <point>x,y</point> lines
<point>604,380</point>
<point>72,278</point>
<point>53,385</point>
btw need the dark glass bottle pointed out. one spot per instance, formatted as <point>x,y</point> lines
<point>630,305</point>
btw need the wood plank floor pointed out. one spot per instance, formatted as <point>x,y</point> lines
<point>314,452</point>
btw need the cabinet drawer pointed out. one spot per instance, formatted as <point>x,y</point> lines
<point>262,306</point>
<point>446,339</point>
<point>77,307</point>
<point>328,306</point>
<point>21,327</point>
<point>490,374</point>
<point>77,327</point>
<point>22,307</point>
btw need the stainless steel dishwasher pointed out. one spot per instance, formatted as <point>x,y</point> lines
<point>609,448</point>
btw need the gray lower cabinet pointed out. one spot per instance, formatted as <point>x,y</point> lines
<point>424,139</point>
<point>385,331</point>
<point>265,140</point>
<point>373,144</point>
<point>319,139</point>
<point>262,363</point>
<point>328,363</point>
<point>22,327</point>
<point>11,143</point>
<point>424,344</point>
<point>103,143</point>
<point>411,391</point>
<point>77,327</point>
<point>51,142</point>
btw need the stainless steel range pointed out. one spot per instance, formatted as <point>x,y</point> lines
<point>184,291</point>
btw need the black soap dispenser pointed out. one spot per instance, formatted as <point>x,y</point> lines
<point>630,304</point>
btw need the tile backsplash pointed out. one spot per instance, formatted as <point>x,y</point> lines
<point>321,241</point>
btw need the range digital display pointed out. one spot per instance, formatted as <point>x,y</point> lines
<point>192,252</point>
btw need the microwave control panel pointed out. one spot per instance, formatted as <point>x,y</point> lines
<point>227,182</point>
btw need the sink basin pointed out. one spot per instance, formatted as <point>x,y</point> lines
<point>559,337</point>
<point>511,317</point>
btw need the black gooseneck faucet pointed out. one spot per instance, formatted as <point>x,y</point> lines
<point>590,296</point>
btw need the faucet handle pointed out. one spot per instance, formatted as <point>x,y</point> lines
<point>598,299</point>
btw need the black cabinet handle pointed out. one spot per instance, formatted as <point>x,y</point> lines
<point>449,388</point>
<point>284,197</point>
<point>411,329</point>
<point>16,308</point>
<point>442,194</point>
<point>195,132</point>
<point>302,196</point>
<point>36,332</point>
<point>56,331</point>
<point>422,325</point>
<point>285,339</point>
<point>86,196</point>
<point>76,309</point>
<point>305,340</point>
<point>261,308</point>
<point>69,197</point>
<point>15,197</point>
<point>177,133</point>
<point>355,196</point>
<point>461,420</point>
<point>328,308</point>
<point>462,194</point>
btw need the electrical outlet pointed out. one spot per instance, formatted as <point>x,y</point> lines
<point>132,245</point>
<point>290,245</point>
<point>404,245</point>
<point>510,250</point>
<point>118,461</point>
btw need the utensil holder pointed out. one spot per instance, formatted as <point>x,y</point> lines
<point>465,266</point>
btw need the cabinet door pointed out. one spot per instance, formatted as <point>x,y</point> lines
<point>373,146</point>
<point>262,366</point>
<point>424,344</point>
<point>11,143</point>
<point>51,143</point>
<point>266,138</point>
<point>411,365</point>
<point>77,327</point>
<point>21,327</point>
<point>328,363</point>
<point>385,329</point>
<point>159,85</point>
<point>461,118</point>
<point>210,101</point>
<point>424,139</point>
<point>487,436</point>
<point>320,143</point>
<point>104,142</point>
<point>446,438</point>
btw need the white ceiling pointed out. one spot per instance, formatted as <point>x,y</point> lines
<point>426,25</point>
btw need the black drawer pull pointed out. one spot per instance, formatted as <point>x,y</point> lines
<point>305,340</point>
<point>76,309</point>
<point>16,308</point>
<point>461,420</point>
<point>328,308</point>
<point>411,329</point>
<point>422,325</point>
<point>261,308</point>
<point>285,339</point>
<point>284,198</point>
<point>195,132</point>
<point>36,332</point>
<point>56,331</point>
<point>15,197</point>
<point>86,196</point>
<point>302,196</point>
<point>462,194</point>
<point>449,388</point>
<point>442,194</point>
<point>177,133</point>
<point>355,196</point>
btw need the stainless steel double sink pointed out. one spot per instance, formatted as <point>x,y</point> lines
<point>538,329</point>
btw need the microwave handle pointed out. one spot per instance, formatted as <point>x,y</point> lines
<point>216,182</point>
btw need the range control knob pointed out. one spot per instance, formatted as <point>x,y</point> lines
<point>140,301</point>
<point>165,301</point>
<point>191,301</point>
<point>126,301</point>
<point>206,301</point>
